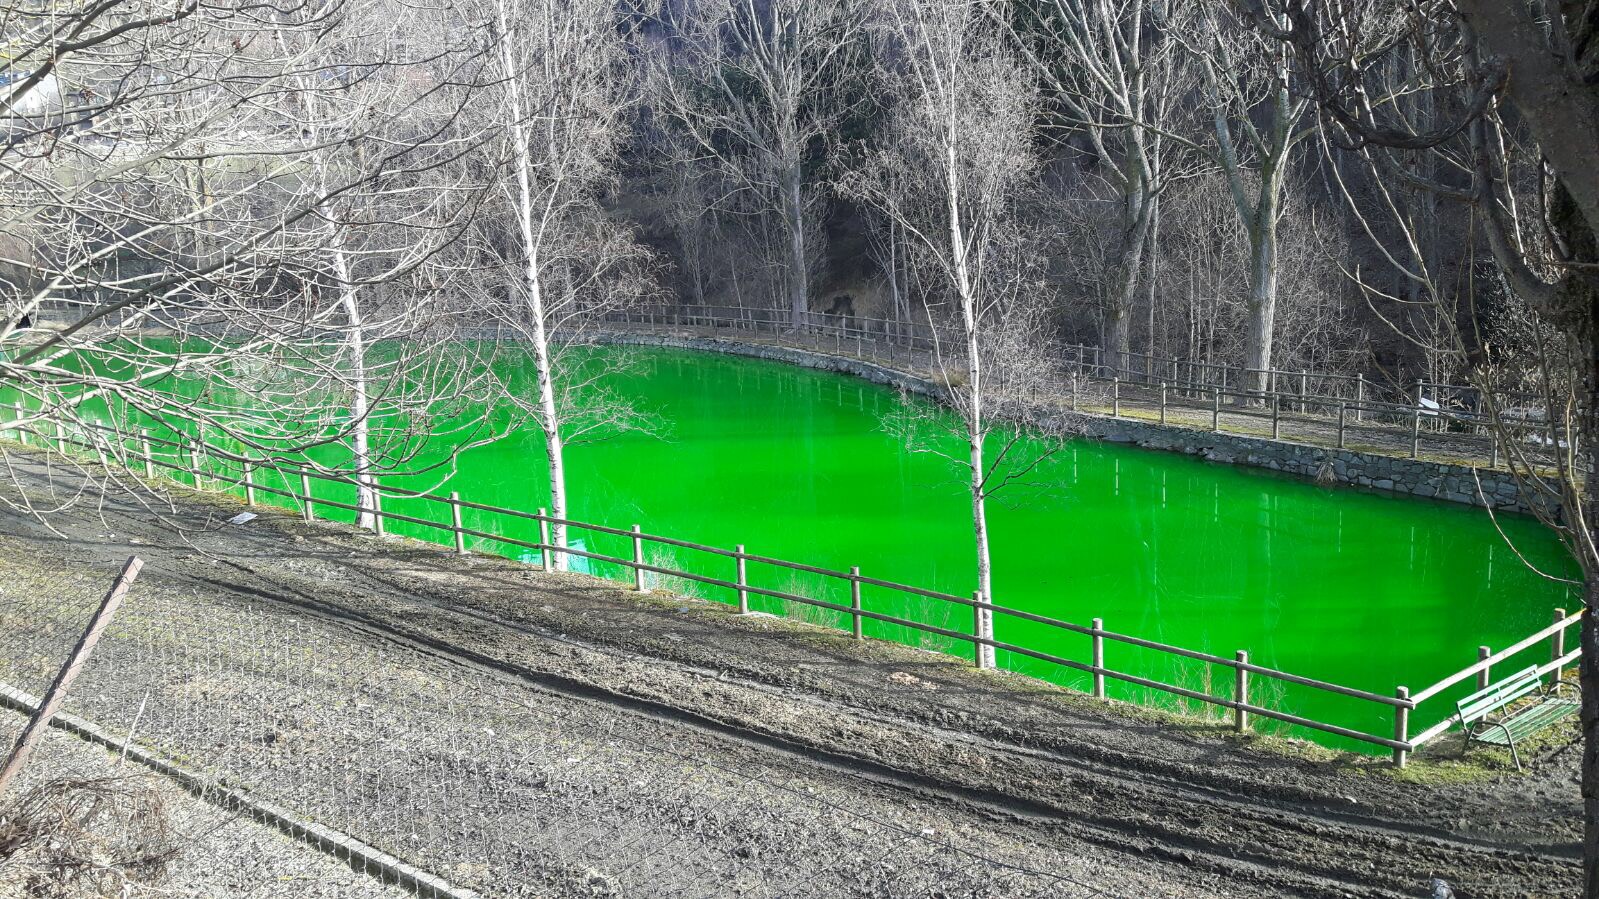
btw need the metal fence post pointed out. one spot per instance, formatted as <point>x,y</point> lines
<point>194,464</point>
<point>1557,644</point>
<point>638,562</point>
<point>1116,397</point>
<point>1343,408</point>
<point>1415,433</point>
<point>1493,441</point>
<point>1098,634</point>
<point>743,595</point>
<point>855,600</point>
<point>1215,409</point>
<point>1276,421</point>
<point>22,436</point>
<point>1401,724</point>
<point>1074,389</point>
<point>544,539</point>
<point>144,450</point>
<point>1302,392</point>
<point>1360,393</point>
<point>1483,676</point>
<point>1162,402</point>
<point>249,483</point>
<point>1241,693</point>
<point>377,512</point>
<point>305,493</point>
<point>455,522</point>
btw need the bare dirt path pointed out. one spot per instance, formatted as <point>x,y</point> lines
<point>532,734</point>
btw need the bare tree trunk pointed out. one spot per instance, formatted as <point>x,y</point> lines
<point>1262,297</point>
<point>798,275</point>
<point>533,285</point>
<point>1129,261</point>
<point>976,425</point>
<point>360,428</point>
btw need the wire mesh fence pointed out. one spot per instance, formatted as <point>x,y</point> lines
<point>483,779</point>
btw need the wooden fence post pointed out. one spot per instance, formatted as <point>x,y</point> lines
<point>377,512</point>
<point>1401,724</point>
<point>1162,402</point>
<point>1302,392</point>
<point>1098,634</point>
<point>855,600</point>
<point>305,493</point>
<point>57,693</point>
<point>544,539</point>
<point>1241,693</point>
<point>1557,644</point>
<point>455,522</point>
<point>1342,411</point>
<point>1415,432</point>
<point>982,628</point>
<point>638,562</point>
<point>194,464</point>
<point>22,436</point>
<point>1074,388</point>
<point>144,450</point>
<point>1276,421</point>
<point>249,483</point>
<point>1116,397</point>
<point>743,595</point>
<point>1215,409</point>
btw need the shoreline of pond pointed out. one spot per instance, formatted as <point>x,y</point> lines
<point>1346,468</point>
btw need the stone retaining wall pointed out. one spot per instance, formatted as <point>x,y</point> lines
<point>1433,480</point>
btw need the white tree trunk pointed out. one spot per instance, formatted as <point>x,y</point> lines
<point>533,286</point>
<point>360,431</point>
<point>976,426</point>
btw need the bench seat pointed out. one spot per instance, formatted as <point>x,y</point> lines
<point>1529,721</point>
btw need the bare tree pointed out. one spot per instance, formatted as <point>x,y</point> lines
<point>1113,71</point>
<point>173,187</point>
<point>563,116</point>
<point>1257,120</point>
<point>966,110</point>
<point>760,86</point>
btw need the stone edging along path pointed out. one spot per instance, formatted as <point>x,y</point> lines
<point>1353,468</point>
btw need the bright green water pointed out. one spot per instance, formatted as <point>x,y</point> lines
<point>1360,589</point>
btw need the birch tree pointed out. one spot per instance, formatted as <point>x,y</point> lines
<point>566,98</point>
<point>965,115</point>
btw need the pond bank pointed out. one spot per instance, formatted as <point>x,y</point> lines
<point>1381,472</point>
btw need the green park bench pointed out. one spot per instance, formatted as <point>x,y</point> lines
<point>1485,717</point>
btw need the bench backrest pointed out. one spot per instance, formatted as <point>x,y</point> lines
<point>1496,696</point>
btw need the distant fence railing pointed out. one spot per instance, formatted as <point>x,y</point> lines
<point>1421,416</point>
<point>191,458</point>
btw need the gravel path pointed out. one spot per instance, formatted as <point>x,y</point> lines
<point>552,735</point>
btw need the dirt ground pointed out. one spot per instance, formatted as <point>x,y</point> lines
<point>602,743</point>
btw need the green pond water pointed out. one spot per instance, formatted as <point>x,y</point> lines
<point>1364,590</point>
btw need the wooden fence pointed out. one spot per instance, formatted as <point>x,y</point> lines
<point>190,458</point>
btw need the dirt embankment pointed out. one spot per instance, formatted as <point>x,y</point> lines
<point>766,759</point>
